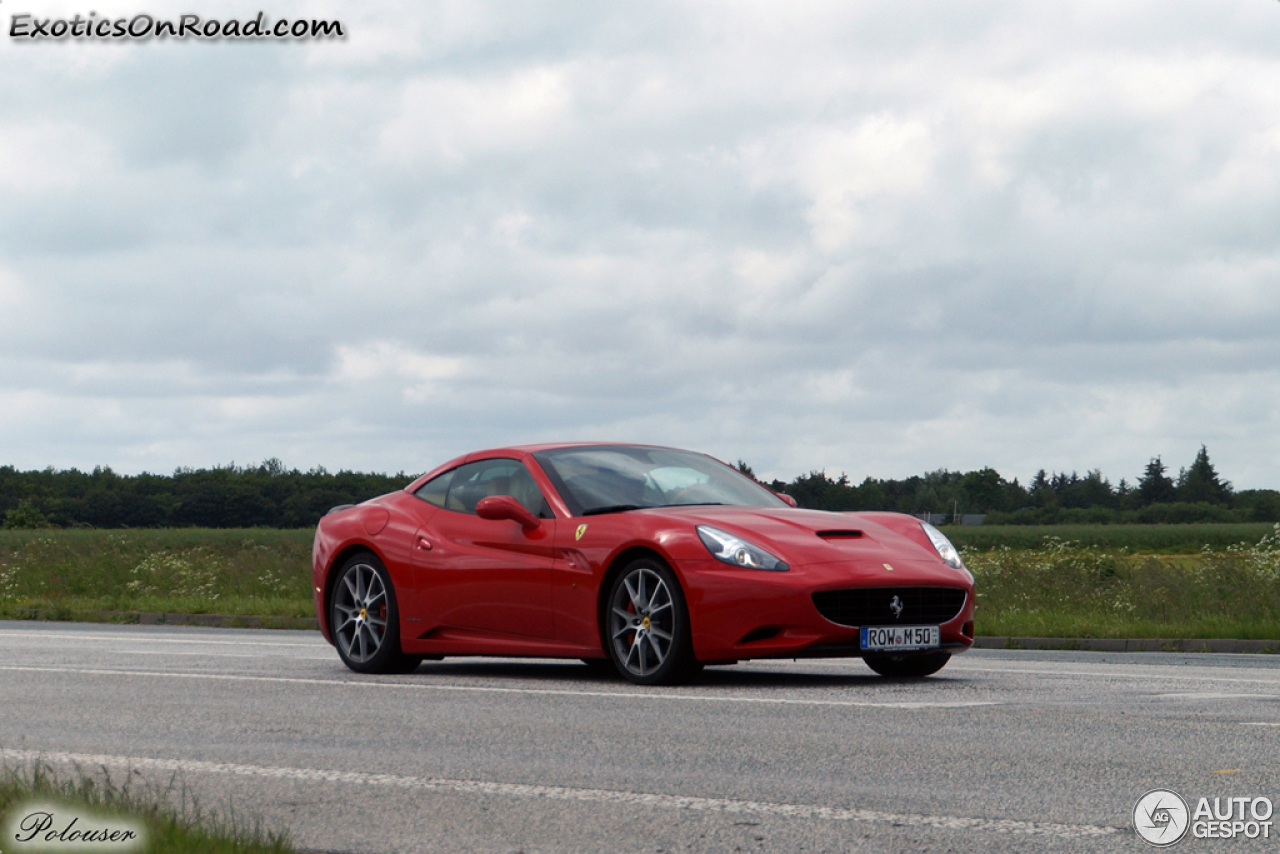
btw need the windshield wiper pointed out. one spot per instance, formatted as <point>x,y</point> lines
<point>612,508</point>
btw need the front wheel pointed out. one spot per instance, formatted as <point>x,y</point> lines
<point>648,634</point>
<point>906,665</point>
<point>364,618</point>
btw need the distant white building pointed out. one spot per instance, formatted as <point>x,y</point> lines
<point>949,518</point>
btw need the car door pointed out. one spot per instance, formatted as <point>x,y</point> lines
<point>486,575</point>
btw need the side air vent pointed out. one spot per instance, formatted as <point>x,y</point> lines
<point>762,633</point>
<point>875,606</point>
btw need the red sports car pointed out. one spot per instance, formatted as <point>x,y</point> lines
<point>657,559</point>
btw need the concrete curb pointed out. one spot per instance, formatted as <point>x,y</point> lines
<point>231,621</point>
<point>1130,644</point>
<point>152,618</point>
<point>225,621</point>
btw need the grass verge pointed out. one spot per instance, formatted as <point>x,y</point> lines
<point>166,819</point>
<point>251,572</point>
<point>1068,589</point>
<point>1147,539</point>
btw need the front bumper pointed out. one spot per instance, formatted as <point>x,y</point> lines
<point>738,614</point>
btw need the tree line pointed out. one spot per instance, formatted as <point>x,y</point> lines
<point>269,495</point>
<point>266,495</point>
<point>1197,494</point>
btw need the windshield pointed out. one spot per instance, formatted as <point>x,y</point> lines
<point>608,478</point>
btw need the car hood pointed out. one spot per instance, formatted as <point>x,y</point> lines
<point>814,536</point>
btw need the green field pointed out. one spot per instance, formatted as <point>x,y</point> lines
<point>254,571</point>
<point>1147,539</point>
<point>1175,581</point>
<point>1067,589</point>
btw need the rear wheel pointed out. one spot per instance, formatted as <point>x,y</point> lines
<point>647,625</point>
<point>364,618</point>
<point>906,665</point>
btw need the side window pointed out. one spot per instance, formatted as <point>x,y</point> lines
<point>477,480</point>
<point>435,490</point>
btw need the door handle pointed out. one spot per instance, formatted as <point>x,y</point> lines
<point>423,543</point>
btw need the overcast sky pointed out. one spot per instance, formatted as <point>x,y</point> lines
<point>867,237</point>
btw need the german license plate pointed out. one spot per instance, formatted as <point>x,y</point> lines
<point>891,638</point>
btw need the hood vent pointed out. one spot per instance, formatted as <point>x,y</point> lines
<point>840,535</point>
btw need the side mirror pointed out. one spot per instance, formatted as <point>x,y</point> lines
<point>505,507</point>
<point>788,499</point>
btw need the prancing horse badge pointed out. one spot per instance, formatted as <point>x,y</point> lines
<point>577,535</point>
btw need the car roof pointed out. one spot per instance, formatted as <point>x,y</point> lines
<point>552,446</point>
<point>521,450</point>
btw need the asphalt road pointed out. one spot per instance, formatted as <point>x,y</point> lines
<point>1003,750</point>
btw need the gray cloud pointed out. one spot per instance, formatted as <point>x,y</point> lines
<point>871,238</point>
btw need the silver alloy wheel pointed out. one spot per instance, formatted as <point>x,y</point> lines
<point>642,619</point>
<point>360,609</point>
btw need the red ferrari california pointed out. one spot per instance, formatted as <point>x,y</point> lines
<point>657,559</point>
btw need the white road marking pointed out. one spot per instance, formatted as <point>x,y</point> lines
<point>568,793</point>
<point>1261,723</point>
<point>1107,674</point>
<point>203,654</point>
<point>1216,695</point>
<point>957,668</point>
<point>489,689</point>
<point>139,638</point>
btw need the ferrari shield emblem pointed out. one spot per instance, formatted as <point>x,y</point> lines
<point>582,529</point>
<point>888,567</point>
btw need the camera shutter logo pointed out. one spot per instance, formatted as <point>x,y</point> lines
<point>1161,817</point>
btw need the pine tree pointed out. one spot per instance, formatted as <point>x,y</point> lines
<point>1201,483</point>
<point>1041,491</point>
<point>1155,487</point>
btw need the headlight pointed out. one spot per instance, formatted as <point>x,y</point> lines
<point>729,549</point>
<point>945,550</point>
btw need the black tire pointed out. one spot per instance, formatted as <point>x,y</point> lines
<point>405,664</point>
<point>906,665</point>
<point>646,625</point>
<point>365,619</point>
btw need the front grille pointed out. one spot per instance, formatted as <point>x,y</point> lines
<point>872,606</point>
